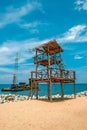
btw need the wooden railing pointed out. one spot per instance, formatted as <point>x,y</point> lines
<point>41,57</point>
<point>53,72</point>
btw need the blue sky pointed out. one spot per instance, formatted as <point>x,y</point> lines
<point>25,24</point>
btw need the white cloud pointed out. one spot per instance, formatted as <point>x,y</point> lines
<point>33,27</point>
<point>81,5</point>
<point>34,31</point>
<point>5,77</point>
<point>4,49</point>
<point>78,57</point>
<point>24,48</point>
<point>75,34</point>
<point>6,70</point>
<point>30,25</point>
<point>14,15</point>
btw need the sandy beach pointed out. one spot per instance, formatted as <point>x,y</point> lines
<point>42,115</point>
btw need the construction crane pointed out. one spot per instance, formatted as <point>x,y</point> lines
<point>15,72</point>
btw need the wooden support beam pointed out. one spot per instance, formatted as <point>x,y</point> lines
<point>62,91</point>
<point>36,84</point>
<point>36,90</point>
<point>50,90</point>
<point>49,76</point>
<point>31,85</point>
<point>74,85</point>
<point>74,90</point>
<point>61,60</point>
<point>48,83</point>
<point>31,90</point>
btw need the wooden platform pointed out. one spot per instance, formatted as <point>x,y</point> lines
<point>53,79</point>
<point>45,62</point>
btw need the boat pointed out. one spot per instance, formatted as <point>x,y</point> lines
<point>12,89</point>
<point>17,88</point>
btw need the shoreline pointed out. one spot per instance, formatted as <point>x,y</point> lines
<point>6,98</point>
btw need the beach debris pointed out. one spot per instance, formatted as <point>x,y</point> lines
<point>10,97</point>
<point>15,98</point>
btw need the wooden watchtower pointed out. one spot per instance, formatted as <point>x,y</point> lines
<point>49,55</point>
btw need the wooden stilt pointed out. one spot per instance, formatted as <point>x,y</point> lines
<point>74,84</point>
<point>61,84</point>
<point>36,84</point>
<point>50,90</point>
<point>36,90</point>
<point>62,91</point>
<point>50,85</point>
<point>31,85</point>
<point>74,90</point>
<point>31,90</point>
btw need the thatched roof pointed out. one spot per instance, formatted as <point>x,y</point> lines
<point>51,47</point>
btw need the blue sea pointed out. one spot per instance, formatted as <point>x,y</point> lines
<point>68,89</point>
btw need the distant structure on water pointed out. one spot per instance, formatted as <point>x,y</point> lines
<point>14,82</point>
<point>15,86</point>
<point>49,55</point>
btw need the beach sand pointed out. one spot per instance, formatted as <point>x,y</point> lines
<point>42,115</point>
